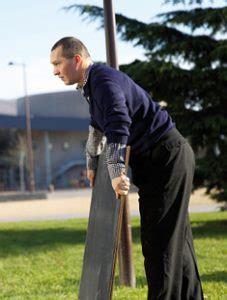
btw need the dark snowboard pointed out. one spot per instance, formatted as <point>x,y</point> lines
<point>102,238</point>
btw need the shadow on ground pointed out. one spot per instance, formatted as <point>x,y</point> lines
<point>215,276</point>
<point>211,229</point>
<point>15,242</point>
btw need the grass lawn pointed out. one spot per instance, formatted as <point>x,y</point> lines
<point>43,260</point>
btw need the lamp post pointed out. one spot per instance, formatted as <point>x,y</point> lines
<point>30,162</point>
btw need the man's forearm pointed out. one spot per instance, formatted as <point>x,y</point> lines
<point>115,153</point>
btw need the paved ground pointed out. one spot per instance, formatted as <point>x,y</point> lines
<point>75,203</point>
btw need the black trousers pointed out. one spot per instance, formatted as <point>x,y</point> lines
<point>164,178</point>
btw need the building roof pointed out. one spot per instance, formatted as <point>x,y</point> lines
<point>68,104</point>
<point>62,111</point>
<point>8,107</point>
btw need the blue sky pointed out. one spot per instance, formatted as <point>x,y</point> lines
<point>28,29</point>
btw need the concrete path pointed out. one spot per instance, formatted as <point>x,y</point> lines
<point>69,204</point>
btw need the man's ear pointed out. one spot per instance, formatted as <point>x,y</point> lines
<point>77,58</point>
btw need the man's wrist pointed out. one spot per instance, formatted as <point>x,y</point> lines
<point>116,170</point>
<point>92,163</point>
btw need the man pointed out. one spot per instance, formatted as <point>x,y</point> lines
<point>162,164</point>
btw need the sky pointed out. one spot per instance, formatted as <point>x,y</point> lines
<point>28,30</point>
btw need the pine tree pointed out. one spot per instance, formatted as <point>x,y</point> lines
<point>186,68</point>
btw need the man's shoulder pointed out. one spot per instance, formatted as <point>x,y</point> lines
<point>103,74</point>
<point>99,69</point>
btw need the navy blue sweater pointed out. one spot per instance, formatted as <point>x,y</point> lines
<point>123,111</point>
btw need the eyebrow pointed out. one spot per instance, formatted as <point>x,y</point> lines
<point>54,62</point>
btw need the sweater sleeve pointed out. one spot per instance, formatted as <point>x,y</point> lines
<point>95,144</point>
<point>115,153</point>
<point>115,157</point>
<point>112,102</point>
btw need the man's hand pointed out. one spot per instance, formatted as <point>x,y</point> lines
<point>91,177</point>
<point>121,185</point>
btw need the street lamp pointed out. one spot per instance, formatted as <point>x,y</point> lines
<point>28,128</point>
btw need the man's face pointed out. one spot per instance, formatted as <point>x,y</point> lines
<point>67,69</point>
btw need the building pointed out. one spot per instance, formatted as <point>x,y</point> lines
<point>59,132</point>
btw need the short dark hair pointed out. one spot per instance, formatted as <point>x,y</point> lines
<point>71,46</point>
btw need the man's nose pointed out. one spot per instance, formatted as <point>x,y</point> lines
<point>56,72</point>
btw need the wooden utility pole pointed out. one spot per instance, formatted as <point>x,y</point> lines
<point>127,273</point>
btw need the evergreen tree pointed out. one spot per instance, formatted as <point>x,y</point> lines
<point>186,67</point>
